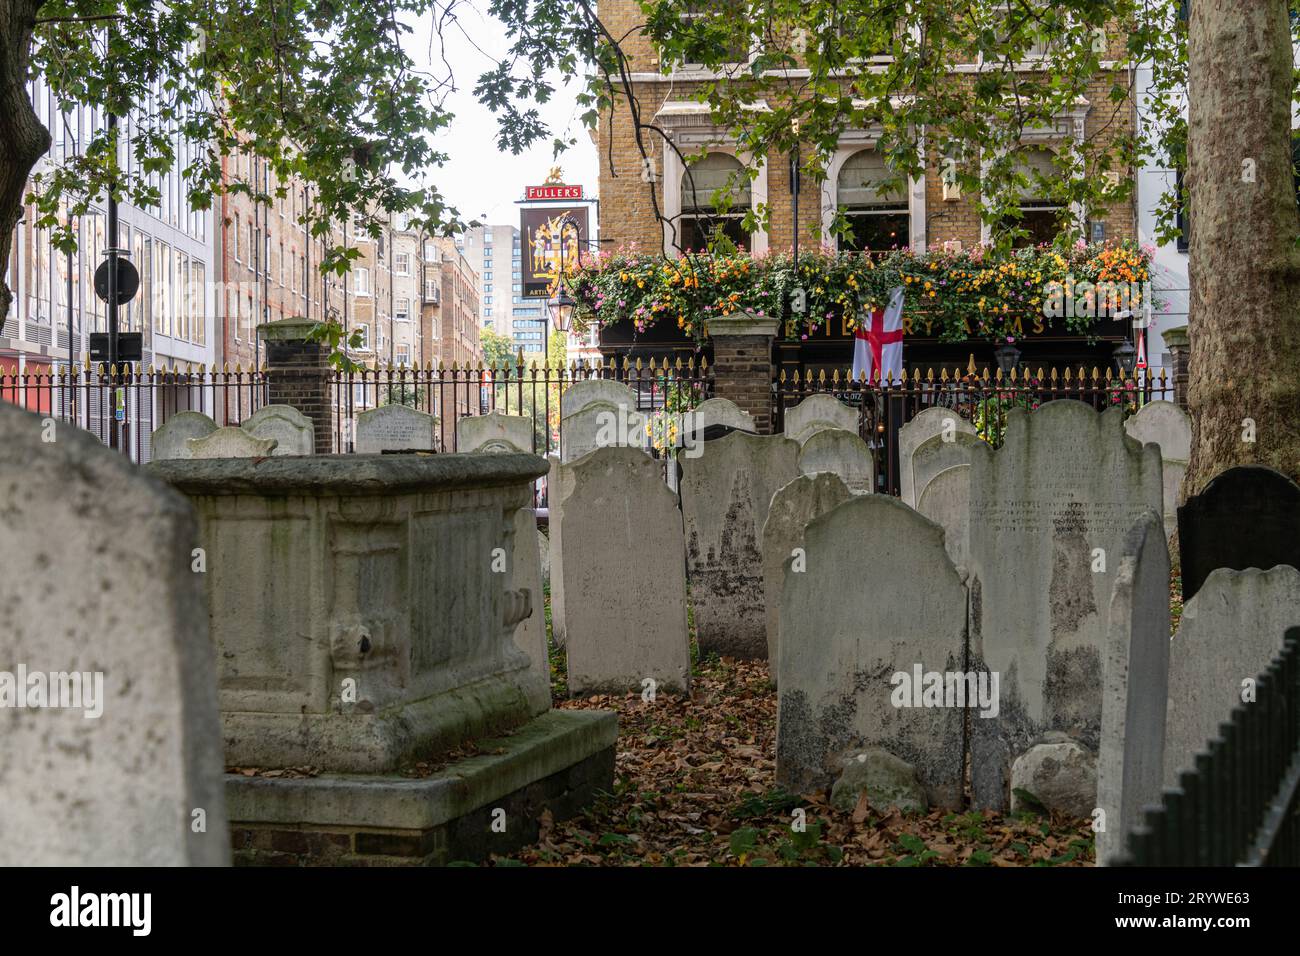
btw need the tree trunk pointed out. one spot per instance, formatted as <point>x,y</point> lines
<point>1244,314</point>
<point>23,140</point>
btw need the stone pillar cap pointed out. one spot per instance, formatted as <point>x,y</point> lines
<point>742,323</point>
<point>1175,336</point>
<point>285,329</point>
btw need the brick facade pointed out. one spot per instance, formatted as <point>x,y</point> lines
<point>742,366</point>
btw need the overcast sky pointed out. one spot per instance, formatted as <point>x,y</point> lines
<point>479,180</point>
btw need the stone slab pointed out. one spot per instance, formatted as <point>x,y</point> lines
<point>1166,424</point>
<point>291,429</point>
<point>494,432</point>
<point>725,494</point>
<point>1049,513</point>
<point>394,428</point>
<point>98,582</point>
<point>792,507</point>
<point>817,412</point>
<point>933,422</point>
<point>172,438</point>
<point>842,453</point>
<point>840,659</point>
<point>1135,683</point>
<point>625,617</point>
<point>231,442</point>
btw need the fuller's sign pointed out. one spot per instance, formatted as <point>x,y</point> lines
<point>551,192</point>
<point>553,237</point>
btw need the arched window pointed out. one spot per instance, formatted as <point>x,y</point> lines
<point>877,215</point>
<point>1040,216</point>
<point>702,216</point>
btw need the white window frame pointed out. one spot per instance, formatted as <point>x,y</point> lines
<point>851,142</point>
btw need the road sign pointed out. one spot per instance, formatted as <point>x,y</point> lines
<point>128,281</point>
<point>130,347</point>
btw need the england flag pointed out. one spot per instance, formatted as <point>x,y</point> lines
<point>878,343</point>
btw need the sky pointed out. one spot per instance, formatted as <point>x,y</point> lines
<point>478,180</point>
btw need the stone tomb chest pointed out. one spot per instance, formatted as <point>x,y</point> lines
<point>356,603</point>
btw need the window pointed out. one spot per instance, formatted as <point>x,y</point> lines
<point>282,265</point>
<point>402,309</point>
<point>877,215</point>
<point>198,302</point>
<point>1039,215</point>
<point>236,237</point>
<point>402,263</point>
<point>431,289</point>
<point>702,218</point>
<point>487,277</point>
<point>487,300</point>
<point>364,331</point>
<point>363,281</point>
<point>403,355</point>
<point>1027,27</point>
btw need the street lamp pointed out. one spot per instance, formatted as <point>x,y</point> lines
<point>1125,356</point>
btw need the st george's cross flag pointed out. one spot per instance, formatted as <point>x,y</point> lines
<point>878,343</point>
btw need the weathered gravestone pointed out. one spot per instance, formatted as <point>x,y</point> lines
<point>721,411</point>
<point>505,434</point>
<point>939,477</point>
<point>394,428</point>
<point>1229,633</point>
<point>494,432</point>
<point>625,617</point>
<point>931,424</point>
<point>792,507</point>
<point>1049,512</point>
<point>725,496</point>
<point>817,412</point>
<point>172,438</point>
<point>291,429</point>
<point>112,741</point>
<point>231,442</point>
<point>1136,675</point>
<point>598,413</point>
<point>841,453</point>
<point>1166,424</point>
<point>859,664</point>
<point>557,486</point>
<point>1246,517</point>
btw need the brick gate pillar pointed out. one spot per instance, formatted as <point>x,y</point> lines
<point>298,374</point>
<point>1179,350</point>
<point>742,365</point>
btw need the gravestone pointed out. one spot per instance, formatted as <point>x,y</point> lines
<point>597,413</point>
<point>289,427</point>
<point>1049,513</point>
<point>1166,424</point>
<point>394,428</point>
<point>1136,676</point>
<point>817,412</point>
<point>172,438</point>
<point>939,476</point>
<point>595,391</point>
<point>849,653</point>
<point>725,495</point>
<point>494,432</point>
<point>104,596</point>
<point>506,434</point>
<point>231,442</point>
<point>931,423</point>
<point>625,617</point>
<point>792,507</point>
<point>556,488</point>
<point>1246,517</point>
<point>842,453</point>
<point>1229,633</point>
<point>721,411</point>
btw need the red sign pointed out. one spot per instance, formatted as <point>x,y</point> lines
<point>532,193</point>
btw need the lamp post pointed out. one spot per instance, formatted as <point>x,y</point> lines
<point>1007,356</point>
<point>1125,356</point>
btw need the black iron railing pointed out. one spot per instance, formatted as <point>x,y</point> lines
<point>1239,805</point>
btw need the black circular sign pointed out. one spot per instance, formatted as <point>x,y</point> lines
<point>128,281</point>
